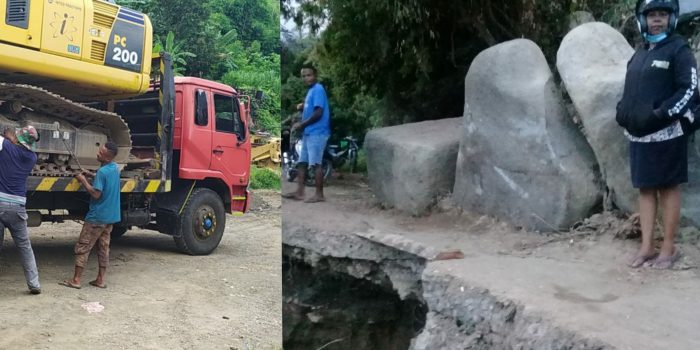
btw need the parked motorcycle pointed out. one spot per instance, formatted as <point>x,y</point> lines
<point>290,159</point>
<point>334,157</point>
<point>344,152</point>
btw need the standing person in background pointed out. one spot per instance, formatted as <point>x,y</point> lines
<point>16,162</point>
<point>316,126</point>
<point>104,211</point>
<point>660,89</point>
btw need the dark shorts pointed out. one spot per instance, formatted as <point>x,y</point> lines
<point>659,164</point>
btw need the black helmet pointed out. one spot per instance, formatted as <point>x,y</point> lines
<point>644,6</point>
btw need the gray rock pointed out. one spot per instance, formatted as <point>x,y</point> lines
<point>580,17</point>
<point>521,158</point>
<point>409,166</point>
<point>592,63</point>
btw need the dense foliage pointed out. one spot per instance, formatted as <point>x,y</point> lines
<point>232,41</point>
<point>390,62</point>
<point>264,178</point>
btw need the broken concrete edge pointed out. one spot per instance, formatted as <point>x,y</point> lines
<point>463,316</point>
<point>460,314</point>
<point>339,244</point>
<point>355,256</point>
<point>410,246</point>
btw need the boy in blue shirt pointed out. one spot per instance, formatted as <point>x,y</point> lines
<point>104,211</point>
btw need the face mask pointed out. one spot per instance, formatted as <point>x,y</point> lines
<point>655,38</point>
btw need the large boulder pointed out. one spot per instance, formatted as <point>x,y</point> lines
<point>522,158</point>
<point>592,62</point>
<point>409,166</point>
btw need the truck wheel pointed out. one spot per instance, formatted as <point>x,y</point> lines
<point>202,223</point>
<point>118,231</point>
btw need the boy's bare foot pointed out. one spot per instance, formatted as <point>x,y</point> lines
<point>69,284</point>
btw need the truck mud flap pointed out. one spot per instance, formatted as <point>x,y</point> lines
<point>169,207</point>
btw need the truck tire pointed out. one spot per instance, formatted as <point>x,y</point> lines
<point>202,223</point>
<point>118,231</point>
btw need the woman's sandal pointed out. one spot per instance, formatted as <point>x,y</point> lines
<point>667,262</point>
<point>639,260</point>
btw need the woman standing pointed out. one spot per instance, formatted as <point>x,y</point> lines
<point>660,88</point>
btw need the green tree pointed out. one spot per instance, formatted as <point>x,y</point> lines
<point>179,56</point>
<point>189,21</point>
<point>232,41</point>
<point>412,55</point>
<point>253,20</point>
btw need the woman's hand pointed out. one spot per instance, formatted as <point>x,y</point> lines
<point>647,123</point>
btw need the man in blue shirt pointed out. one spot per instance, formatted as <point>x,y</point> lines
<point>16,163</point>
<point>316,123</point>
<point>104,211</point>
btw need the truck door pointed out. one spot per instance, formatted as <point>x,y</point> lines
<point>195,152</point>
<point>229,152</point>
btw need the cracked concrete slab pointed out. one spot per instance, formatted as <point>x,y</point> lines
<point>512,289</point>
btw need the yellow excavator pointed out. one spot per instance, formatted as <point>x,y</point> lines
<point>56,53</point>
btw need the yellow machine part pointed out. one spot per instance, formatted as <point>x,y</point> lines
<point>265,151</point>
<point>80,49</point>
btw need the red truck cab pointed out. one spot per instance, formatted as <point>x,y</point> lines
<point>211,134</point>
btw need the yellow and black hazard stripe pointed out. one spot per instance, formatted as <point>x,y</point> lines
<point>69,184</point>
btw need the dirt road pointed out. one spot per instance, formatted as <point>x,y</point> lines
<point>157,298</point>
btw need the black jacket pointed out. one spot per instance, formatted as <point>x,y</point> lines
<point>661,84</point>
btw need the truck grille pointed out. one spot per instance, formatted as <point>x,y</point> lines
<point>17,14</point>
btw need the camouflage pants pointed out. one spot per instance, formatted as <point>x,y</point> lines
<point>90,235</point>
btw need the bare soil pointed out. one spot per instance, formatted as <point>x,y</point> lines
<point>156,297</point>
<point>578,279</point>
